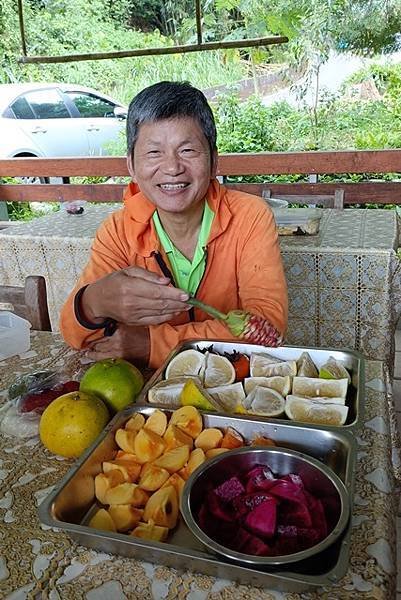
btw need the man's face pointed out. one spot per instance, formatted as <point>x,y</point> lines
<point>172,165</point>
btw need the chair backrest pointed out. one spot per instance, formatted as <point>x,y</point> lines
<point>29,302</point>
<point>335,200</point>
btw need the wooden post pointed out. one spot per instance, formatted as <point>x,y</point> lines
<point>198,21</point>
<point>21,26</point>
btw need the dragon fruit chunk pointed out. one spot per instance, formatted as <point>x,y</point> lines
<point>259,478</point>
<point>309,537</point>
<point>295,479</point>
<point>244,504</point>
<point>288,491</point>
<point>256,547</point>
<point>230,489</point>
<point>218,509</point>
<point>287,540</point>
<point>262,519</point>
<point>295,513</point>
<point>317,513</point>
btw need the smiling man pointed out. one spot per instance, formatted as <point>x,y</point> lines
<point>179,234</point>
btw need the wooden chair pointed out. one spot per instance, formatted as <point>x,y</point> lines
<point>29,302</point>
<point>335,200</point>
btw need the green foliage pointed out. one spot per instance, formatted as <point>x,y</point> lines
<point>387,78</point>
<point>253,127</point>
<point>20,211</point>
<point>59,27</point>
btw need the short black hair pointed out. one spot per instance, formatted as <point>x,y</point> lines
<point>169,100</point>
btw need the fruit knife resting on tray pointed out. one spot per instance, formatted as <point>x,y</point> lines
<point>243,325</point>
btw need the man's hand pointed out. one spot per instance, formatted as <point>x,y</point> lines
<point>133,296</point>
<point>131,343</point>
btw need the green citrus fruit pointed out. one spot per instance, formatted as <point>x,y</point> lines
<point>72,422</point>
<point>116,381</point>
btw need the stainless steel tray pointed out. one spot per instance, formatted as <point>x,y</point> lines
<point>352,360</point>
<point>71,504</point>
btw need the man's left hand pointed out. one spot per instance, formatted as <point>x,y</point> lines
<point>129,342</point>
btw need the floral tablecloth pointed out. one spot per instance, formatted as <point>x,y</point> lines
<point>344,283</point>
<point>39,562</point>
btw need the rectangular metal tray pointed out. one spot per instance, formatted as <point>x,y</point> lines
<point>73,501</point>
<point>352,360</point>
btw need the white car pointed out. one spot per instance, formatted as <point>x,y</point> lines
<point>57,119</point>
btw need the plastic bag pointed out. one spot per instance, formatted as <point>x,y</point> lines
<point>29,395</point>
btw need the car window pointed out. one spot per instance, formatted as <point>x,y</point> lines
<point>90,106</point>
<point>47,104</point>
<point>21,109</point>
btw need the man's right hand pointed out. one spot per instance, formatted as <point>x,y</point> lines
<point>133,296</point>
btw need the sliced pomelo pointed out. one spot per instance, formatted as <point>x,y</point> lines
<point>262,366</point>
<point>186,363</point>
<point>321,399</point>
<point>334,369</point>
<point>310,411</point>
<point>264,401</point>
<point>282,385</point>
<point>312,387</point>
<point>306,367</point>
<point>229,396</point>
<point>218,371</point>
<point>168,392</point>
<point>269,359</point>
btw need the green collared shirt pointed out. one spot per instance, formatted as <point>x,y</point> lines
<point>187,274</point>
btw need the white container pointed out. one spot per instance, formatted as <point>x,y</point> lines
<point>14,334</point>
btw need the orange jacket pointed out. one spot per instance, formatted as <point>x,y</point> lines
<point>244,267</point>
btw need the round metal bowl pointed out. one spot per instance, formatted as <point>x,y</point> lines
<point>318,479</point>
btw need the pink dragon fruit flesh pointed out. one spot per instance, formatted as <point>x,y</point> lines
<point>259,514</point>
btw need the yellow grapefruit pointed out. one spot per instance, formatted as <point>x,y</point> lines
<point>72,422</point>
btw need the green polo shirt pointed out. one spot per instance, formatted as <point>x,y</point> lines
<point>187,274</point>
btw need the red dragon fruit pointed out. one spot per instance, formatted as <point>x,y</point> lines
<point>244,325</point>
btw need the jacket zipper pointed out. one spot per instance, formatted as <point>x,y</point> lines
<point>163,267</point>
<point>167,273</point>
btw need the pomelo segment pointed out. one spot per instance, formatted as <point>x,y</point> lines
<point>334,369</point>
<point>229,396</point>
<point>168,392</point>
<point>282,385</point>
<point>264,401</point>
<point>314,387</point>
<point>306,367</point>
<point>218,371</point>
<point>262,365</point>
<point>186,363</point>
<point>321,399</point>
<point>310,411</point>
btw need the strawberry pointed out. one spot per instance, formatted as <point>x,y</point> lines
<point>245,325</point>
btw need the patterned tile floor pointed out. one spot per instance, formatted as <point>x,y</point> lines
<point>397,399</point>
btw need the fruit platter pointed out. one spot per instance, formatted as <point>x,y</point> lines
<point>123,494</point>
<point>321,387</point>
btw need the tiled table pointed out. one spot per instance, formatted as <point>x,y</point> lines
<point>344,283</point>
<point>39,562</point>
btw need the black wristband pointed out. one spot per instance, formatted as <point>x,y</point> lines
<point>109,325</point>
